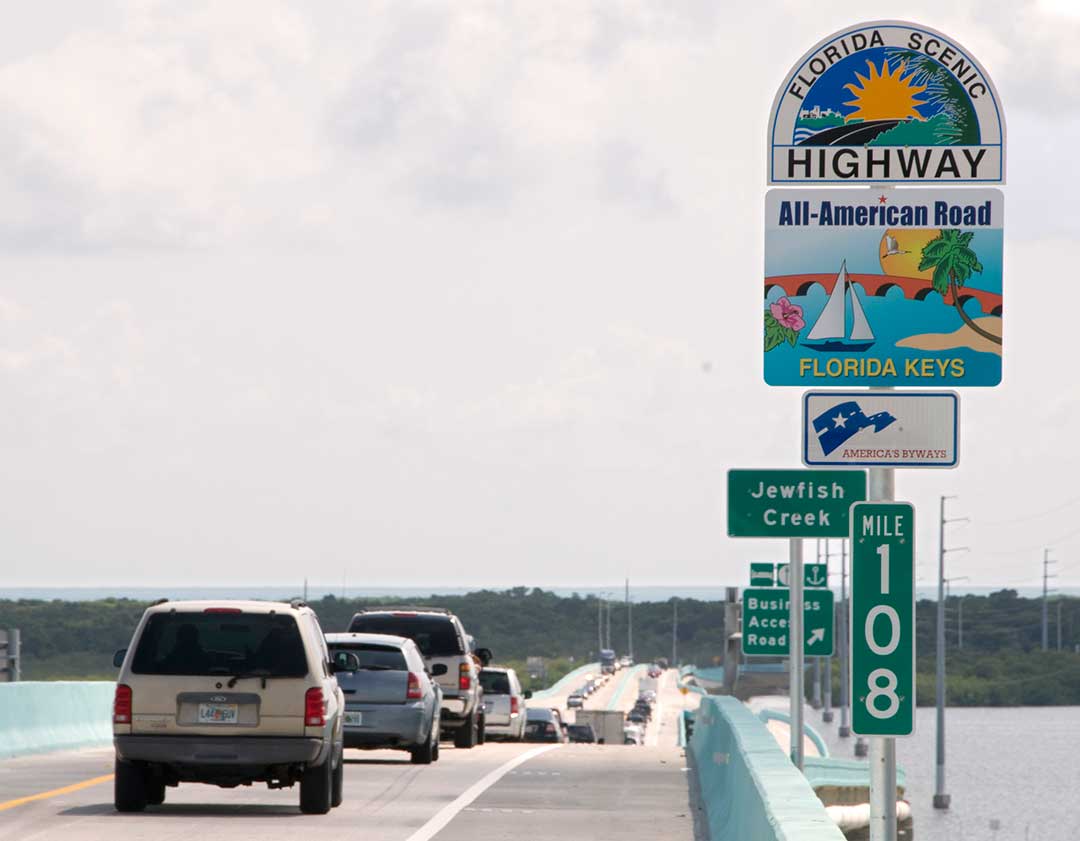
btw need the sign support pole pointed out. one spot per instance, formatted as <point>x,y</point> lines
<point>882,748</point>
<point>796,636</point>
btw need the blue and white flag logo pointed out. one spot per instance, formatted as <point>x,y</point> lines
<point>838,424</point>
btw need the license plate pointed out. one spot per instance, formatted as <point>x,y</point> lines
<point>353,719</point>
<point>218,713</point>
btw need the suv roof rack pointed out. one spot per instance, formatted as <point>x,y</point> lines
<point>405,608</point>
<point>156,602</point>
<point>297,603</point>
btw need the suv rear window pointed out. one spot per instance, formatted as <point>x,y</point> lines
<point>435,636</point>
<point>262,644</point>
<point>374,657</point>
<point>495,683</point>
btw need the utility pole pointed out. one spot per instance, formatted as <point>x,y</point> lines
<point>1059,625</point>
<point>599,625</point>
<point>959,609</point>
<point>815,691</point>
<point>629,623</point>
<point>1047,560</point>
<point>607,633</point>
<point>941,798</point>
<point>827,711</point>
<point>675,633</point>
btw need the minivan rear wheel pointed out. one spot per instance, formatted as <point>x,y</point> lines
<point>155,791</point>
<point>316,786</point>
<point>337,786</point>
<point>129,787</point>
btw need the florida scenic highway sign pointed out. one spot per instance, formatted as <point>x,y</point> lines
<point>881,428</point>
<point>887,101</point>
<point>883,287</point>
<point>765,616</point>
<point>792,503</point>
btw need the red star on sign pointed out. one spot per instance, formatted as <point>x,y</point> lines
<point>882,199</point>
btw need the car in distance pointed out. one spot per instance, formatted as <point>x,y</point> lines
<point>582,733</point>
<point>575,701</point>
<point>390,700</point>
<point>228,693</point>
<point>442,641</point>
<point>607,661</point>
<point>543,725</point>
<point>504,703</point>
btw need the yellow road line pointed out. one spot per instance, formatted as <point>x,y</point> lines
<point>56,792</point>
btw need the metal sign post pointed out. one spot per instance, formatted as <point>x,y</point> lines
<point>795,640</point>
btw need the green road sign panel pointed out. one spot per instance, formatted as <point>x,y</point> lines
<point>765,615</point>
<point>792,503</point>
<point>762,575</point>
<point>883,618</point>
<point>814,575</point>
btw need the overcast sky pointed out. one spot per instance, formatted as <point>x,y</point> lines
<point>455,293</point>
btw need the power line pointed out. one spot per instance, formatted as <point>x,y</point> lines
<point>1029,517</point>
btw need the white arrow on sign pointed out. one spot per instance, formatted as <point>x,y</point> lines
<point>816,635</point>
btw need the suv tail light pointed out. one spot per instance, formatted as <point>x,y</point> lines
<point>464,681</point>
<point>314,708</point>
<point>513,705</point>
<point>413,691</point>
<point>122,704</point>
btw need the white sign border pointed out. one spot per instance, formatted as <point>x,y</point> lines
<point>879,393</point>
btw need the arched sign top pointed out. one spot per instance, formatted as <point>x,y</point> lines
<point>887,101</point>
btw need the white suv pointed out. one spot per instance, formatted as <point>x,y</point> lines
<point>228,693</point>
<point>450,657</point>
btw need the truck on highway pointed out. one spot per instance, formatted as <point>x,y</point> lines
<point>607,724</point>
<point>607,661</point>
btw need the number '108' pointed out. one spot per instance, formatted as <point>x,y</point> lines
<point>882,683</point>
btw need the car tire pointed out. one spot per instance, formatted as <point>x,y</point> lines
<point>155,791</point>
<point>425,754</point>
<point>337,783</point>
<point>465,736</point>
<point>129,787</point>
<point>435,748</point>
<point>481,734</point>
<point>316,786</point>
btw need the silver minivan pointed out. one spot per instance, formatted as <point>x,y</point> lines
<point>504,703</point>
<point>391,701</point>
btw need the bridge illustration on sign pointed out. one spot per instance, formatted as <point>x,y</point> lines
<point>830,332</point>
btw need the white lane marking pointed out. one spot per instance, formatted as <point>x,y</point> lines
<point>448,812</point>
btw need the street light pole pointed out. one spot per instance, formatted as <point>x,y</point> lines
<point>941,798</point>
<point>1047,560</point>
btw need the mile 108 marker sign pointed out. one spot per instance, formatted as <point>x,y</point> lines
<point>882,619</point>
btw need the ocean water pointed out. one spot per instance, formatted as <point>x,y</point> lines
<point>1018,766</point>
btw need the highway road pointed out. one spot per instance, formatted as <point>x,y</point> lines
<point>851,134</point>
<point>496,791</point>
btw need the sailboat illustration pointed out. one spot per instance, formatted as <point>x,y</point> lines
<point>830,332</point>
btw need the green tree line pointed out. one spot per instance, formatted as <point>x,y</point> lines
<point>73,640</point>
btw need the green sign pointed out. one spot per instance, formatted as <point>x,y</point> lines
<point>883,618</point>
<point>792,503</point>
<point>762,575</point>
<point>814,575</point>
<point>765,615</point>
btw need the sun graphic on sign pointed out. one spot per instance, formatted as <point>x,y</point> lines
<point>885,95</point>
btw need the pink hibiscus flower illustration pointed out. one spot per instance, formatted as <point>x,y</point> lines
<point>788,314</point>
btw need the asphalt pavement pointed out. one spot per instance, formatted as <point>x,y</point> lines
<point>495,791</point>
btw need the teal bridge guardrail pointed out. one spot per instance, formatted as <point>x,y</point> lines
<point>748,785</point>
<point>40,716</point>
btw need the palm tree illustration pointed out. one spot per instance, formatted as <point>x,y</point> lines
<point>953,263</point>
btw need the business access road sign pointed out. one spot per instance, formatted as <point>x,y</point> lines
<point>881,429</point>
<point>762,575</point>
<point>887,101</point>
<point>765,615</point>
<point>883,288</point>
<point>792,503</point>
<point>882,618</point>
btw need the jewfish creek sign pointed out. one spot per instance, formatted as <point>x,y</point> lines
<point>887,102</point>
<point>883,288</point>
<point>792,503</point>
